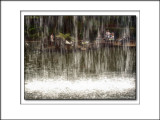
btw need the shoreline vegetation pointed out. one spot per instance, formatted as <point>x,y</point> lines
<point>58,33</point>
<point>80,46</point>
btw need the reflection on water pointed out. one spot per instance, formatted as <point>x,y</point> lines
<point>104,73</point>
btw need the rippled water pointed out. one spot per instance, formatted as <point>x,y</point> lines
<point>104,73</point>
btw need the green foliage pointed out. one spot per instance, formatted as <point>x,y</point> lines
<point>61,35</point>
<point>65,36</point>
<point>32,33</point>
<point>34,26</point>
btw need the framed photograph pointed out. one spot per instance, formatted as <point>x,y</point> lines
<point>80,59</point>
<point>79,56</point>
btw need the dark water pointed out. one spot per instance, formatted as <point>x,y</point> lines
<point>104,73</point>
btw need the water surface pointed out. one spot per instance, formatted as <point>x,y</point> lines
<point>104,73</point>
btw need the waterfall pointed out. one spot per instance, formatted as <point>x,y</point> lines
<point>75,30</point>
<point>84,29</point>
<point>85,61</point>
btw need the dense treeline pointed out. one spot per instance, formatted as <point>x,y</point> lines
<point>84,27</point>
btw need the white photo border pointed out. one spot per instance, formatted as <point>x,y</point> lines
<point>149,64</point>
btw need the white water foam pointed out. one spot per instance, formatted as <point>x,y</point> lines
<point>80,87</point>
